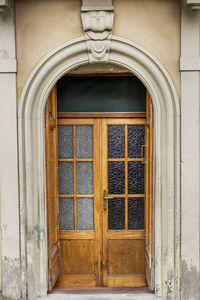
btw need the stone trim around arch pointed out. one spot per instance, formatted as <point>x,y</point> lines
<point>32,160</point>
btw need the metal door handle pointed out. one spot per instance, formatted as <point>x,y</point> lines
<point>142,154</point>
<point>105,198</point>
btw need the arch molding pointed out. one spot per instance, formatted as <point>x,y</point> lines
<point>166,160</point>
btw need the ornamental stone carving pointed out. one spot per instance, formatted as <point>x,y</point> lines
<point>97,27</point>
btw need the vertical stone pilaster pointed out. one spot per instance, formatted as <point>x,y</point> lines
<point>10,254</point>
<point>190,154</point>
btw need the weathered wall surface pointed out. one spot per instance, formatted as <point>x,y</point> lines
<point>9,201</point>
<point>43,25</point>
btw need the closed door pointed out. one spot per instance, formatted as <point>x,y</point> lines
<point>123,182</point>
<point>103,192</point>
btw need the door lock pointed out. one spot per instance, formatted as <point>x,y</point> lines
<point>105,198</point>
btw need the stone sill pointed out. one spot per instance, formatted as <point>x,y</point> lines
<point>102,297</point>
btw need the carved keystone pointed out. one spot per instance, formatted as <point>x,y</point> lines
<point>97,26</point>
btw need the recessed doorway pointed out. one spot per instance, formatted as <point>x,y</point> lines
<point>99,137</point>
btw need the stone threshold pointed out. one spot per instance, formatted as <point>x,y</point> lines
<point>101,297</point>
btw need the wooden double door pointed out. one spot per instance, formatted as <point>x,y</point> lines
<point>98,200</point>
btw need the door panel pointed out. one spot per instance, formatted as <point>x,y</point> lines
<point>124,193</point>
<point>77,257</point>
<point>126,257</point>
<point>52,193</point>
<point>79,207</point>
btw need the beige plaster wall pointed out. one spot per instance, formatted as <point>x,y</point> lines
<point>44,24</point>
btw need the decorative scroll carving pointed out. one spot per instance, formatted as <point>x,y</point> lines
<point>97,26</point>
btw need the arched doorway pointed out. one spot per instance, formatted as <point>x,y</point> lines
<point>32,160</point>
<point>99,154</point>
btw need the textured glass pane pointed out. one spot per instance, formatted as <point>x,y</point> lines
<point>135,213</point>
<point>66,213</point>
<point>116,141</point>
<point>85,213</point>
<point>66,178</point>
<point>116,214</point>
<point>136,138</point>
<point>65,141</point>
<point>84,178</point>
<point>116,177</point>
<point>135,177</point>
<point>84,141</point>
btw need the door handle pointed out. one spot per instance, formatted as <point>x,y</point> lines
<point>143,147</point>
<point>105,198</point>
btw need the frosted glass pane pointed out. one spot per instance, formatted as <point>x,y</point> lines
<point>65,141</point>
<point>85,214</point>
<point>84,178</point>
<point>84,141</point>
<point>66,214</point>
<point>66,178</point>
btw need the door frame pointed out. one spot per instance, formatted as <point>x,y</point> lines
<point>99,121</point>
<point>164,97</point>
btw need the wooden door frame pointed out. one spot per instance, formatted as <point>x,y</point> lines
<point>147,120</point>
<point>86,118</point>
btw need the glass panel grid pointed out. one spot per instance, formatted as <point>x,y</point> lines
<point>136,191</point>
<point>79,162</point>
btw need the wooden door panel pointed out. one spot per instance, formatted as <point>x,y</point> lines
<point>52,193</point>
<point>126,257</point>
<point>77,257</point>
<point>55,263</point>
<point>126,281</point>
<point>76,281</point>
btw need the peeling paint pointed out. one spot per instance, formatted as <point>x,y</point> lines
<point>11,278</point>
<point>189,282</point>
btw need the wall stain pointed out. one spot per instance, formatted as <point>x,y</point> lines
<point>189,282</point>
<point>169,284</point>
<point>11,278</point>
<point>4,54</point>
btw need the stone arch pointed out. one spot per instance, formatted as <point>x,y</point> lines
<point>32,160</point>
